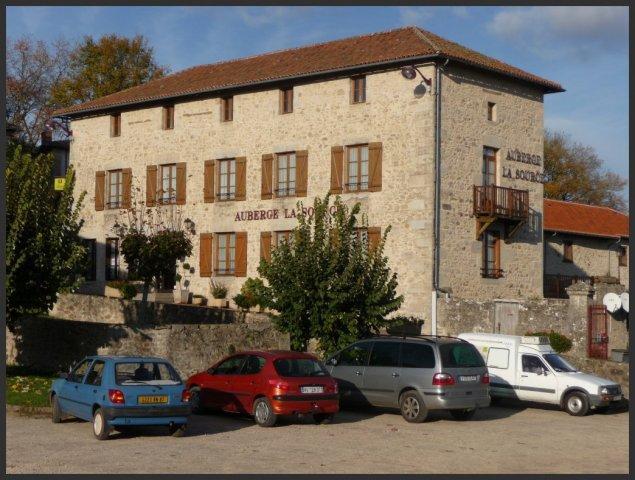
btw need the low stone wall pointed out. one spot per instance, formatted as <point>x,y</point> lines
<point>51,344</point>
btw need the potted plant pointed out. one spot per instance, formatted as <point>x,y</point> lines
<point>219,292</point>
<point>182,294</point>
<point>198,300</point>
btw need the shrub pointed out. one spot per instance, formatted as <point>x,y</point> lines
<point>218,290</point>
<point>559,342</point>
<point>242,301</point>
<point>405,325</point>
<point>116,284</point>
<point>255,291</point>
<point>128,291</point>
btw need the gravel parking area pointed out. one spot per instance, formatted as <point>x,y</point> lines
<point>508,439</point>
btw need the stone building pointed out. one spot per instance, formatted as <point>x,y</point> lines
<point>439,141</point>
<point>583,242</point>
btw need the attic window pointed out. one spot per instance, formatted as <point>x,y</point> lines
<point>491,111</point>
<point>168,117</point>
<point>115,125</point>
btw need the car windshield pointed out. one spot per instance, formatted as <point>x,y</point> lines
<point>299,367</point>
<point>458,355</point>
<point>146,373</point>
<point>558,363</point>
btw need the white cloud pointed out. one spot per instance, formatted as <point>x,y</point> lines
<point>415,15</point>
<point>553,32</point>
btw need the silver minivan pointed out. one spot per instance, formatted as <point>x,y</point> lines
<point>416,374</point>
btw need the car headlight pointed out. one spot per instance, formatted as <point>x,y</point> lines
<point>604,390</point>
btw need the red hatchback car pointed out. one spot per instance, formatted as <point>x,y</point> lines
<point>267,384</point>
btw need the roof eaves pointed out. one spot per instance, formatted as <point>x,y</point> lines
<point>586,234</point>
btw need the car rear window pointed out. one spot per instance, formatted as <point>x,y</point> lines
<point>458,355</point>
<point>299,367</point>
<point>151,373</point>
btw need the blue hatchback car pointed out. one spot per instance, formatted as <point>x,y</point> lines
<point>115,392</point>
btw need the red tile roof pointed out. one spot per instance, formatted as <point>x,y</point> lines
<point>570,217</point>
<point>365,50</point>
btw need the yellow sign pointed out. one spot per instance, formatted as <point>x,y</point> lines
<point>59,183</point>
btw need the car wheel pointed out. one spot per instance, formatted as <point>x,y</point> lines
<point>576,404</point>
<point>601,409</point>
<point>101,428</point>
<point>413,409</point>
<point>463,414</point>
<point>323,418</point>
<point>56,411</point>
<point>263,413</point>
<point>178,430</point>
<point>195,400</point>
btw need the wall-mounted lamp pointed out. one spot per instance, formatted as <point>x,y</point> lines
<point>410,73</point>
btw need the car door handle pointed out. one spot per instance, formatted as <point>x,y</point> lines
<point>524,376</point>
<point>395,374</point>
<point>358,372</point>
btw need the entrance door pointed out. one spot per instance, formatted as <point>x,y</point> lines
<point>536,382</point>
<point>506,318</point>
<point>597,332</point>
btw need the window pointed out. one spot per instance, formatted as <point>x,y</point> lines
<point>491,255</point>
<point>361,234</point>
<point>357,168</point>
<point>231,366</point>
<point>112,258</point>
<point>90,273</point>
<point>299,367</point>
<point>415,355</point>
<point>285,174</point>
<point>253,365</point>
<point>622,256</point>
<point>567,252</point>
<point>227,109</point>
<point>168,184</point>
<point>355,355</point>
<point>94,376</point>
<point>154,373</point>
<point>498,358</point>
<point>79,372</point>
<point>533,364</point>
<point>491,111</point>
<point>558,363</point>
<point>283,236</point>
<point>227,179</point>
<point>489,166</point>
<point>459,355</point>
<point>115,125</point>
<point>286,100</point>
<point>225,253</point>
<point>115,189</point>
<point>384,354</point>
<point>358,89</point>
<point>168,117</point>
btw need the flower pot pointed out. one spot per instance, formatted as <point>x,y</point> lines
<point>219,302</point>
<point>112,292</point>
<point>198,300</point>
<point>181,296</point>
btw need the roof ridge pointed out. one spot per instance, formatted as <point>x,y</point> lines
<point>570,202</point>
<point>420,31</point>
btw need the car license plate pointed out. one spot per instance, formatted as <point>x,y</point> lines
<point>468,378</point>
<point>617,397</point>
<point>319,389</point>
<point>149,399</point>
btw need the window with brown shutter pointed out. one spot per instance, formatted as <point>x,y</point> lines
<point>567,252</point>
<point>90,271</point>
<point>114,193</point>
<point>375,166</point>
<point>266,189</point>
<point>285,174</point>
<point>374,237</point>
<point>337,165</point>
<point>491,255</point>
<point>205,254</point>
<point>112,259</point>
<point>168,188</point>
<point>208,181</point>
<point>181,169</point>
<point>241,178</point>
<point>286,100</point>
<point>301,172</point>
<point>115,125</point>
<point>126,184</point>
<point>225,254</point>
<point>226,109</point>
<point>283,236</point>
<point>100,180</point>
<point>226,183</point>
<point>151,185</point>
<point>357,168</point>
<point>168,117</point>
<point>265,246</point>
<point>622,256</point>
<point>358,89</point>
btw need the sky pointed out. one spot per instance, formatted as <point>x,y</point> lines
<point>585,49</point>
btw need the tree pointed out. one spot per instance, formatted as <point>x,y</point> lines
<point>574,173</point>
<point>32,70</point>
<point>43,250</point>
<point>105,66</point>
<point>327,283</point>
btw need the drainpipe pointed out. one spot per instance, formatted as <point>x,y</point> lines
<point>437,196</point>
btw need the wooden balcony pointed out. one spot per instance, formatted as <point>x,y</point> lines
<point>492,203</point>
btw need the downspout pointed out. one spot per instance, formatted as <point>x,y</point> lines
<point>437,196</point>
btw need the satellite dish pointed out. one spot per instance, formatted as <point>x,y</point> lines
<point>624,298</point>
<point>612,302</point>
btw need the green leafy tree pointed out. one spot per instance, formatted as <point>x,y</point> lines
<point>574,172</point>
<point>44,253</point>
<point>327,283</point>
<point>104,66</point>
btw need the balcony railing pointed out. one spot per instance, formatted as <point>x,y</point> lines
<point>555,285</point>
<point>501,202</point>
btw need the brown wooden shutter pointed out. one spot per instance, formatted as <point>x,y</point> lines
<point>374,163</point>
<point>241,178</point>
<point>208,182</point>
<point>100,182</point>
<point>337,165</point>
<point>205,255</point>
<point>267,169</point>
<point>374,237</point>
<point>151,185</point>
<point>301,172</point>
<point>180,183</point>
<point>241,254</point>
<point>265,246</point>
<point>126,181</point>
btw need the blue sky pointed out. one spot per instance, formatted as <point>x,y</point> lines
<point>583,48</point>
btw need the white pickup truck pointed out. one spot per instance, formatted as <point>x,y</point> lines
<point>527,368</point>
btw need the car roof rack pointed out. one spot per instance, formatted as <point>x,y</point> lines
<point>423,337</point>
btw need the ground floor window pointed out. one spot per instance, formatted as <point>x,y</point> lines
<point>283,236</point>
<point>112,258</point>
<point>491,255</point>
<point>225,253</point>
<point>622,257</point>
<point>90,272</point>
